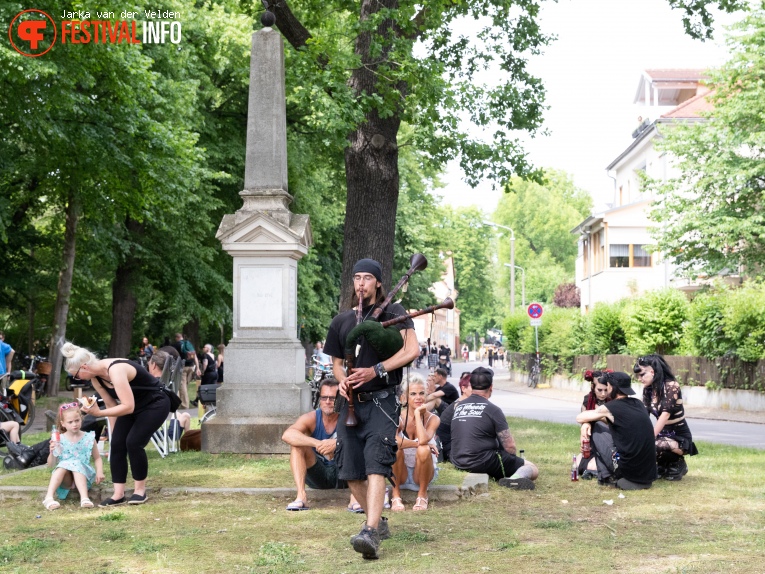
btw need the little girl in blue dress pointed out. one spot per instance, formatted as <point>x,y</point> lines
<point>73,463</point>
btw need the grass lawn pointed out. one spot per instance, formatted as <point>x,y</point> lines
<point>712,521</point>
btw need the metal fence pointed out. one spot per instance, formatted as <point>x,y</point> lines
<point>720,373</point>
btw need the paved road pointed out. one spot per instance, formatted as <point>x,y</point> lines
<point>555,410</point>
<point>528,404</point>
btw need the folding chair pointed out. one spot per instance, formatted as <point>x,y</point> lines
<point>162,439</point>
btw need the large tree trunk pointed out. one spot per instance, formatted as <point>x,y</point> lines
<point>371,158</point>
<point>123,310</point>
<point>63,293</point>
<point>371,166</point>
<point>124,300</point>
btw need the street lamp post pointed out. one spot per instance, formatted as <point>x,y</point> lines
<point>523,283</point>
<point>512,260</point>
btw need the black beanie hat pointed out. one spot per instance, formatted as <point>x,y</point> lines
<point>368,266</point>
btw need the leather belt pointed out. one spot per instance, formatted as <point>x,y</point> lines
<point>364,397</point>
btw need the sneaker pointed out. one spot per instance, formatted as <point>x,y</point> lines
<point>383,528</point>
<point>367,542</point>
<point>517,483</point>
<point>589,474</point>
<point>608,481</point>
<point>676,471</point>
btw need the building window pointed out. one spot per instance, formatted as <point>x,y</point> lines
<point>620,255</point>
<point>640,257</point>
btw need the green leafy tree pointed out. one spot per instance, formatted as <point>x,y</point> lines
<point>710,218</point>
<point>542,216</point>
<point>362,57</point>
<point>469,240</point>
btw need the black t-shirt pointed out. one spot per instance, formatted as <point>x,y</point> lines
<point>451,393</point>
<point>633,439</point>
<point>444,431</point>
<point>343,323</point>
<point>475,426</point>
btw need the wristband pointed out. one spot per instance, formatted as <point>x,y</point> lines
<point>380,371</point>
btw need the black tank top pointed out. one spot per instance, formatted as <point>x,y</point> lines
<point>145,386</point>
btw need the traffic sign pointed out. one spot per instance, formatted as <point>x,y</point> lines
<point>535,322</point>
<point>535,310</point>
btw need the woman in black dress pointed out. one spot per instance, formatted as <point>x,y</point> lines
<point>664,400</point>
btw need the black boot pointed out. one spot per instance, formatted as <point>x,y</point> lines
<point>677,470</point>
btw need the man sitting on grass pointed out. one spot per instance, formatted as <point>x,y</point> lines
<point>445,393</point>
<point>312,440</point>
<point>481,439</point>
<point>622,444</point>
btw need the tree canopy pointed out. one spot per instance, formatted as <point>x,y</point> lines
<point>710,217</point>
<point>542,216</point>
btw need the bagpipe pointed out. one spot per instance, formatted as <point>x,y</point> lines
<point>384,340</point>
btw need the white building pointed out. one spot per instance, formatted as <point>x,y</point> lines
<point>613,262</point>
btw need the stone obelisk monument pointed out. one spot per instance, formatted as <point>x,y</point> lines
<point>264,391</point>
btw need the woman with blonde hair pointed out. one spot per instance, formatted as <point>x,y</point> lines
<point>136,399</point>
<point>415,466</point>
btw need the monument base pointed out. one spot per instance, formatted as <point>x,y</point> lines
<point>251,417</point>
<point>245,436</point>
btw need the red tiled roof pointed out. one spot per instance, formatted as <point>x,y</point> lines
<point>692,107</point>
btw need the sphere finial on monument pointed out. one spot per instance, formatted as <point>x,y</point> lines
<point>267,18</point>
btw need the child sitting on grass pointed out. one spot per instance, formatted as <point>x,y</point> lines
<point>72,465</point>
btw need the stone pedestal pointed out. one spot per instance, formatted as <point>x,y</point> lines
<point>264,391</point>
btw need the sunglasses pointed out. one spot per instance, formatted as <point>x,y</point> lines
<point>66,406</point>
<point>328,399</point>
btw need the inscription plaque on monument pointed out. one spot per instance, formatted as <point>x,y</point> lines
<point>260,296</point>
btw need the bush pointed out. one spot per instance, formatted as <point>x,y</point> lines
<point>654,322</point>
<point>744,321</point>
<point>605,334</point>
<point>561,333</point>
<point>514,329</point>
<point>706,324</point>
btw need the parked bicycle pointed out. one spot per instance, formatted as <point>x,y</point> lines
<point>536,371</point>
<point>320,369</point>
<point>40,368</point>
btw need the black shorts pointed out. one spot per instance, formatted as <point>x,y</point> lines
<point>501,465</point>
<point>323,477</point>
<point>370,447</point>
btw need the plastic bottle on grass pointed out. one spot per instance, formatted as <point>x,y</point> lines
<point>574,471</point>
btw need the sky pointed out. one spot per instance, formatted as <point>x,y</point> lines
<point>591,74</point>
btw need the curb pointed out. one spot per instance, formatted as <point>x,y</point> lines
<point>472,485</point>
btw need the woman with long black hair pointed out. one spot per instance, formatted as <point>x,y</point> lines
<point>664,400</point>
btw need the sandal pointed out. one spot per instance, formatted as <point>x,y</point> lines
<point>298,504</point>
<point>50,504</point>
<point>422,504</point>
<point>396,504</point>
<point>355,508</point>
<point>86,503</point>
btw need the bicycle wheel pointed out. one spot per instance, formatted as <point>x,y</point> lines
<point>207,416</point>
<point>534,377</point>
